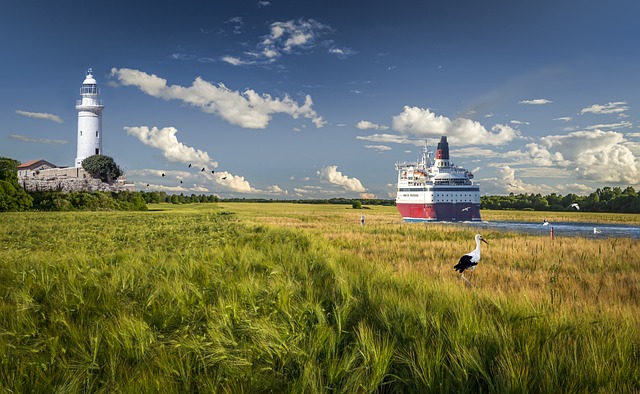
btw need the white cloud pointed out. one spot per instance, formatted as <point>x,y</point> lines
<point>173,150</point>
<point>47,141</point>
<point>619,125</point>
<point>234,60</point>
<point>40,115</point>
<point>390,138</point>
<point>519,122</point>
<point>541,156</point>
<point>616,107</point>
<point>564,119</point>
<point>264,3</point>
<point>341,53</point>
<point>366,125</point>
<point>286,37</point>
<point>423,123</point>
<point>379,148</point>
<point>508,182</point>
<point>247,109</point>
<point>601,156</point>
<point>332,175</point>
<point>474,152</point>
<point>535,102</point>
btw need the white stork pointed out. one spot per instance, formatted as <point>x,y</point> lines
<point>470,260</point>
<point>576,206</point>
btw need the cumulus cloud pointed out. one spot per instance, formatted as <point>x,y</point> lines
<point>535,102</point>
<point>173,150</point>
<point>366,125</point>
<point>508,181</point>
<point>423,123</point>
<point>597,155</point>
<point>333,176</point>
<point>616,107</point>
<point>47,141</point>
<point>246,109</point>
<point>40,115</point>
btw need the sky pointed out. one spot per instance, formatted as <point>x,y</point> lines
<point>284,99</point>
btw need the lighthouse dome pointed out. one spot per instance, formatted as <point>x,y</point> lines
<point>89,80</point>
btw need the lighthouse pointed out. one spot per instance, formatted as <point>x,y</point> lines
<point>89,120</point>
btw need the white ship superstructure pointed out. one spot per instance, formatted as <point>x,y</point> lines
<point>438,190</point>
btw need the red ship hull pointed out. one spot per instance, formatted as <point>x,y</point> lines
<point>447,212</point>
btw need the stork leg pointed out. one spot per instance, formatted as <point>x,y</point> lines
<point>466,280</point>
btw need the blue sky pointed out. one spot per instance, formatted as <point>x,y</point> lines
<point>297,99</point>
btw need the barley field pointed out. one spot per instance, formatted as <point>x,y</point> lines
<point>297,298</point>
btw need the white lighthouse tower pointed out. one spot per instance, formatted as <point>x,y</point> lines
<point>89,120</point>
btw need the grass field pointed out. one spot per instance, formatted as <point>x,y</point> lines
<point>247,297</point>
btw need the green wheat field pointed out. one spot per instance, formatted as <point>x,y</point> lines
<point>296,298</point>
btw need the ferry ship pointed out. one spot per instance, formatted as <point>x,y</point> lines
<point>438,190</point>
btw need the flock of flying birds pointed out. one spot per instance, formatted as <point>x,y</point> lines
<point>190,166</point>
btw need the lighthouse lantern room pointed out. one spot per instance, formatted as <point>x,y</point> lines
<point>89,120</point>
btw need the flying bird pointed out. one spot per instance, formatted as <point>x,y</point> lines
<point>224,177</point>
<point>545,223</point>
<point>189,165</point>
<point>213,172</point>
<point>180,181</point>
<point>465,209</point>
<point>576,206</point>
<point>202,170</point>
<point>470,260</point>
<point>163,174</point>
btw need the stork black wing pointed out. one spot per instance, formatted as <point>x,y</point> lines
<point>464,263</point>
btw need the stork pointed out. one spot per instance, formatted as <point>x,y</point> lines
<point>470,260</point>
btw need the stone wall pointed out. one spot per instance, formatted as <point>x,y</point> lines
<point>70,179</point>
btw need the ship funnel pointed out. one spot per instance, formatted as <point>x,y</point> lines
<point>442,151</point>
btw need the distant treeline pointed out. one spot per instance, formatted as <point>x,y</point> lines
<point>14,198</point>
<point>343,201</point>
<point>607,199</point>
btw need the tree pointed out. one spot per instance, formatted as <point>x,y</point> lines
<point>102,167</point>
<point>12,196</point>
<point>357,204</point>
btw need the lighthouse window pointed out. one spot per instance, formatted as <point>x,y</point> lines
<point>80,133</point>
<point>96,133</point>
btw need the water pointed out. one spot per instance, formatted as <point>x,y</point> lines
<point>563,229</point>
